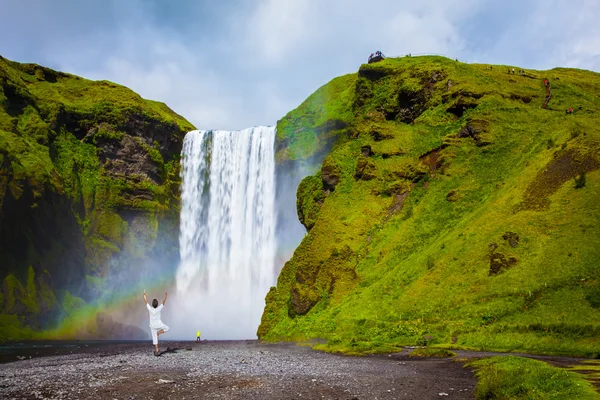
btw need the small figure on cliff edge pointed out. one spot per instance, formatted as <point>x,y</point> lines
<point>157,327</point>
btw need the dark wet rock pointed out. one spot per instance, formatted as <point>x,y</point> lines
<point>301,300</point>
<point>410,106</point>
<point>366,151</point>
<point>379,135</point>
<point>500,263</point>
<point>475,129</point>
<point>512,238</point>
<point>330,174</point>
<point>462,105</point>
<point>373,73</point>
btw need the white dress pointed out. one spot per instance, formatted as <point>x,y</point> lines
<point>155,322</point>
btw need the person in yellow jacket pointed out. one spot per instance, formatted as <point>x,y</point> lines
<point>198,336</point>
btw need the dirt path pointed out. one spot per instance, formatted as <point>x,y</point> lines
<point>231,370</point>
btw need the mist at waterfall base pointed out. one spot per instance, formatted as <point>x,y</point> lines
<point>237,230</point>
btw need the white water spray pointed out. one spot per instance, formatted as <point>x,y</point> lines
<point>227,234</point>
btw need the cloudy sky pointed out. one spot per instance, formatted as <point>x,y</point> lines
<point>233,64</point>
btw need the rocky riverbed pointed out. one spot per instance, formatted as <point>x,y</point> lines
<point>230,370</point>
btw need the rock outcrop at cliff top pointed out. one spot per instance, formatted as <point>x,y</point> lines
<point>89,189</point>
<point>445,211</point>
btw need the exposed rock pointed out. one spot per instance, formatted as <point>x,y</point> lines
<point>524,98</point>
<point>330,174</point>
<point>410,106</point>
<point>128,158</point>
<point>436,76</point>
<point>379,135</point>
<point>432,159</point>
<point>512,238</point>
<point>475,129</point>
<point>373,73</point>
<point>365,169</point>
<point>46,236</point>
<point>462,105</point>
<point>453,196</point>
<point>499,263</point>
<point>366,151</point>
<point>301,300</point>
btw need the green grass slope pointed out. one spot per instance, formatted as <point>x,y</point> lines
<point>452,210</point>
<point>89,188</point>
<point>522,378</point>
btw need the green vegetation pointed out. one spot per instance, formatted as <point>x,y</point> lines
<point>318,122</point>
<point>454,216</point>
<point>432,352</point>
<point>13,329</point>
<point>524,378</point>
<point>89,175</point>
<point>590,369</point>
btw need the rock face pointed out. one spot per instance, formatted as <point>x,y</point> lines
<point>330,174</point>
<point>89,181</point>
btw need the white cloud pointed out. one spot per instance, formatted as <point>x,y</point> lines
<point>277,28</point>
<point>233,67</point>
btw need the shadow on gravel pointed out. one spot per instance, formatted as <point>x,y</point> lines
<point>172,350</point>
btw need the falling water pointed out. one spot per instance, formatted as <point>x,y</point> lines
<point>227,234</point>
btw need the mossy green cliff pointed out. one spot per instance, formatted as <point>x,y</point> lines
<point>450,208</point>
<point>89,189</point>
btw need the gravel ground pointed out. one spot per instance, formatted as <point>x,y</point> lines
<point>231,370</point>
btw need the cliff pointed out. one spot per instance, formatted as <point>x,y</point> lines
<point>89,182</point>
<point>450,208</point>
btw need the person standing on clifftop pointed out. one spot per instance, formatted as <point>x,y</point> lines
<point>156,325</point>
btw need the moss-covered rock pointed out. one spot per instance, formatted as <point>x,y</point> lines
<point>438,167</point>
<point>89,176</point>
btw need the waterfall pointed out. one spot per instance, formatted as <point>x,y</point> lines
<point>227,232</point>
